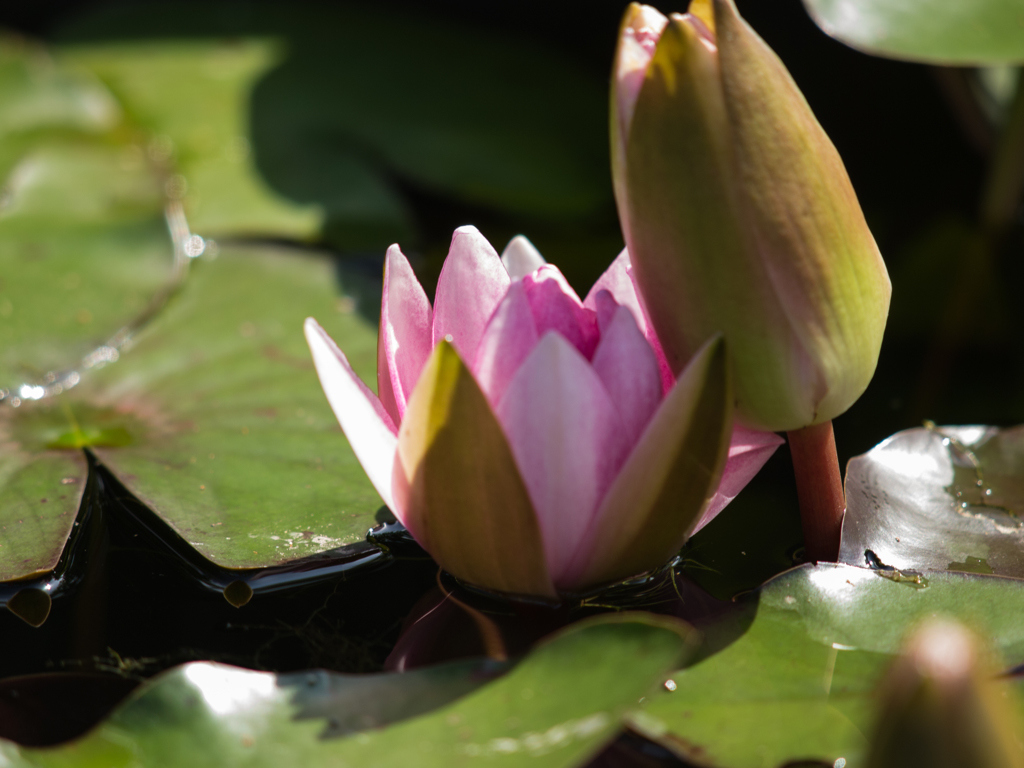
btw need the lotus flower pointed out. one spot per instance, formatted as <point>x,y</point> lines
<point>740,218</point>
<point>533,443</point>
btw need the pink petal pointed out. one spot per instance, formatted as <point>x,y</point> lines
<point>556,307</point>
<point>472,283</point>
<point>620,282</point>
<point>509,337</point>
<point>627,367</point>
<point>567,440</point>
<point>606,308</point>
<point>617,280</point>
<point>662,488</point>
<point>369,429</point>
<point>403,343</point>
<point>521,258</point>
<point>748,451</point>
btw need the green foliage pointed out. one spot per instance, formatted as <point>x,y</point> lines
<point>968,32</point>
<point>187,102</point>
<point>216,420</point>
<point>338,122</point>
<point>555,708</point>
<point>799,682</point>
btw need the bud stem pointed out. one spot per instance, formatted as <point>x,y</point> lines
<point>819,487</point>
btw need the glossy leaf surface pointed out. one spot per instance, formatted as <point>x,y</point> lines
<point>946,498</point>
<point>215,418</point>
<point>40,494</point>
<point>934,31</point>
<point>555,708</point>
<point>799,665</point>
<point>231,439</point>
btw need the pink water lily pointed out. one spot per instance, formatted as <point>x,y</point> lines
<point>534,443</point>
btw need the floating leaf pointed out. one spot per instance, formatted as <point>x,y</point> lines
<point>333,118</point>
<point>945,498</point>
<point>969,32</point>
<point>801,679</point>
<point>190,99</point>
<point>38,95</point>
<point>39,496</point>
<point>215,419</point>
<point>83,247</point>
<point>555,708</point>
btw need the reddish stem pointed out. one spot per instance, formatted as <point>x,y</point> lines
<point>820,489</point>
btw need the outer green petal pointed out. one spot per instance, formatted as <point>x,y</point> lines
<point>617,131</point>
<point>459,486</point>
<point>806,223</point>
<point>693,257</point>
<point>669,477</point>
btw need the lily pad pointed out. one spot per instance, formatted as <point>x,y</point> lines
<point>802,678</point>
<point>189,102</point>
<point>39,96</point>
<point>947,498</point>
<point>333,119</point>
<point>40,494</point>
<point>934,31</point>
<point>215,419</point>
<point>555,708</point>
<point>83,245</point>
<point>83,248</point>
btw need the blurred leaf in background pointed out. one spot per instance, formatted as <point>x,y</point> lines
<point>935,31</point>
<point>360,132</point>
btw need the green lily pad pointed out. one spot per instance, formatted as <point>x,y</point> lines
<point>37,93</point>
<point>215,418</point>
<point>935,31</point>
<point>948,498</point>
<point>40,495</point>
<point>801,679</point>
<point>191,101</point>
<point>508,132</point>
<point>521,130</point>
<point>83,248</point>
<point>39,96</point>
<point>555,708</point>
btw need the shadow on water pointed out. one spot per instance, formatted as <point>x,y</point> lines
<point>131,598</point>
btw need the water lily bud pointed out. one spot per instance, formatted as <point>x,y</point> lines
<point>943,708</point>
<point>534,443</point>
<point>740,218</point>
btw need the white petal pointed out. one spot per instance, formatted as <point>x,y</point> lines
<point>521,258</point>
<point>363,419</point>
